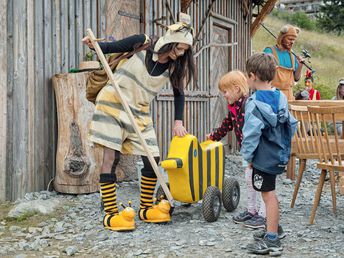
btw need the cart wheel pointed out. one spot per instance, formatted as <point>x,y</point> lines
<point>230,194</point>
<point>211,204</point>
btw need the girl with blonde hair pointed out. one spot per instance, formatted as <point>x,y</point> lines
<point>235,89</point>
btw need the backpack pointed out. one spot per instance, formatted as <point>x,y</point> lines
<point>97,79</point>
<point>273,152</point>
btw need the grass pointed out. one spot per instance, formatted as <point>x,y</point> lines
<point>327,51</point>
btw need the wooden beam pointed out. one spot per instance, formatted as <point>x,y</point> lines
<point>185,5</point>
<point>3,100</point>
<point>267,8</point>
<point>207,14</point>
<point>246,8</point>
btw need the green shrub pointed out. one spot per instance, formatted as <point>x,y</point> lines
<point>300,19</point>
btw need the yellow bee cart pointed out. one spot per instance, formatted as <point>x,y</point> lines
<point>196,172</point>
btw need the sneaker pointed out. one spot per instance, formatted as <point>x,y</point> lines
<point>260,234</point>
<point>256,222</point>
<point>265,246</point>
<point>243,216</point>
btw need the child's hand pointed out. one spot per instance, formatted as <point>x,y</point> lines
<point>207,137</point>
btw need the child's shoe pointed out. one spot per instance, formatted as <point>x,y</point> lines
<point>260,234</point>
<point>255,222</point>
<point>265,246</point>
<point>123,221</point>
<point>243,216</point>
<point>157,213</point>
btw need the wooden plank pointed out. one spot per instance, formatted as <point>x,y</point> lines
<point>3,101</point>
<point>39,90</point>
<point>20,121</point>
<point>320,103</point>
<point>79,55</point>
<point>31,96</point>
<point>64,36</point>
<point>71,35</point>
<point>49,103</point>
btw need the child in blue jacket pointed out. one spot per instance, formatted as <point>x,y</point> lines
<point>267,134</point>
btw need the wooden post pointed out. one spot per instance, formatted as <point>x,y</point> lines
<point>261,16</point>
<point>3,99</point>
<point>78,160</point>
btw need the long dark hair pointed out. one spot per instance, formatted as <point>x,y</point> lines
<point>182,69</point>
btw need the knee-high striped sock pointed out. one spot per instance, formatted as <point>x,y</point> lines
<point>147,191</point>
<point>108,193</point>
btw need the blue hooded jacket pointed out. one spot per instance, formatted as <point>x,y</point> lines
<point>267,132</point>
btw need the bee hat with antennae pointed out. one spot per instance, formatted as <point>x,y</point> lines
<point>180,32</point>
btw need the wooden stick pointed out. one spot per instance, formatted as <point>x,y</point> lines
<point>203,23</point>
<point>170,11</point>
<point>214,45</point>
<point>131,117</point>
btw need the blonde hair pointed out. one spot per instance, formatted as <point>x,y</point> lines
<point>234,78</point>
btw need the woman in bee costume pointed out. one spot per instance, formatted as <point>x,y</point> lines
<point>140,78</point>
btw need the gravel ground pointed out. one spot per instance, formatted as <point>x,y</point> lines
<point>74,227</point>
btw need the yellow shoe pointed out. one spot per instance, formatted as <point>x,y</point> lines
<point>157,213</point>
<point>123,221</point>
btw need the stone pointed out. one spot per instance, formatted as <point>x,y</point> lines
<point>59,227</point>
<point>71,250</point>
<point>15,229</point>
<point>34,206</point>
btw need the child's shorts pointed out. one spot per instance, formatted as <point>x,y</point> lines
<point>263,182</point>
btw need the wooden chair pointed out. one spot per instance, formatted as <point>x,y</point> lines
<point>330,157</point>
<point>320,103</point>
<point>303,144</point>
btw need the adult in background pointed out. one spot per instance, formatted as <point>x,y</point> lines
<point>289,67</point>
<point>309,83</point>
<point>339,96</point>
<point>302,95</point>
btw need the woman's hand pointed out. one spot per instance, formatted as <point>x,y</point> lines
<point>179,129</point>
<point>86,40</point>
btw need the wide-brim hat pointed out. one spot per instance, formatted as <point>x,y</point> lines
<point>180,32</point>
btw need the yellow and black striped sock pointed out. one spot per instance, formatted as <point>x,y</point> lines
<point>147,191</point>
<point>108,193</point>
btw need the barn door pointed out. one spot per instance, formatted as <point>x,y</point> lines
<point>122,18</point>
<point>221,61</point>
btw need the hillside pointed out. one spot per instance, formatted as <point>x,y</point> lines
<point>327,51</point>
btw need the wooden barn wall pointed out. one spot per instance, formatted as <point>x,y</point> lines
<point>203,101</point>
<point>42,38</point>
<point>38,39</point>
